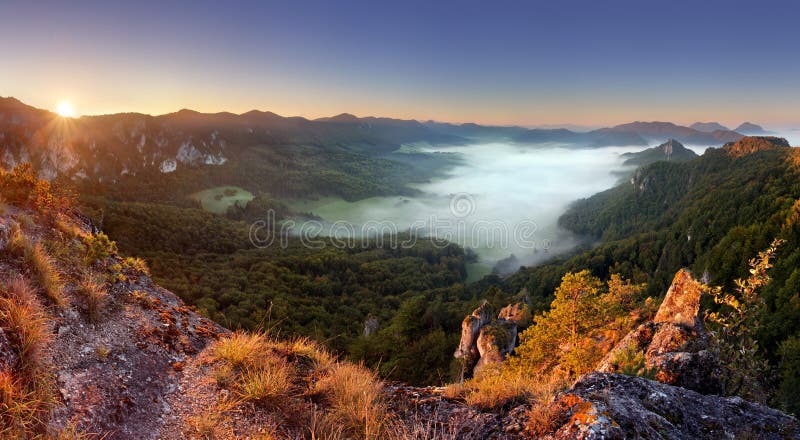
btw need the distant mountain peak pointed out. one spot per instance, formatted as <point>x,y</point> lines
<point>671,150</point>
<point>342,117</point>
<point>750,128</point>
<point>709,127</point>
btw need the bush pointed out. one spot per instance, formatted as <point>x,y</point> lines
<point>99,247</point>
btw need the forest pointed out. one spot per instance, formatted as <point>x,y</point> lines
<point>710,214</point>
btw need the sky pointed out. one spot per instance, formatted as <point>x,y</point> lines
<point>529,63</point>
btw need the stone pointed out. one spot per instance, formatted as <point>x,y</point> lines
<point>614,406</point>
<point>370,326</point>
<point>518,312</point>
<point>675,344</point>
<point>470,329</point>
<point>681,305</point>
<point>495,341</point>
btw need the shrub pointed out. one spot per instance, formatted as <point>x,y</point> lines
<point>99,247</point>
<point>22,187</point>
<point>631,362</point>
<point>136,264</point>
<point>735,326</point>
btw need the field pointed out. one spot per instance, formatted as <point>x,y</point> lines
<point>218,199</point>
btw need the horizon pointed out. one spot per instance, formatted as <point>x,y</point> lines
<point>567,125</point>
<point>525,65</point>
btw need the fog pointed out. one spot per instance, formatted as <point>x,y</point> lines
<point>500,200</point>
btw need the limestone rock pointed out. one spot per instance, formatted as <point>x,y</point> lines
<point>613,406</point>
<point>470,329</point>
<point>675,344</point>
<point>486,340</point>
<point>682,303</point>
<point>495,342</point>
<point>518,312</point>
<point>370,326</point>
<point>751,144</point>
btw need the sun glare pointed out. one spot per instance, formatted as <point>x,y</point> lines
<point>65,109</point>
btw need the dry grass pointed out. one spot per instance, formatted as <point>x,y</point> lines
<point>67,227</point>
<point>269,384</point>
<point>49,277</point>
<point>494,389</point>
<point>25,323</point>
<point>454,391</point>
<point>93,294</point>
<point>309,349</point>
<point>24,406</point>
<point>26,392</point>
<point>241,349</point>
<point>36,257</point>
<point>356,401</point>
<point>261,371</point>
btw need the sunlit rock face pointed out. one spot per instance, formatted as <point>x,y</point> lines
<point>486,340</point>
<point>753,144</point>
<point>615,406</point>
<point>675,343</point>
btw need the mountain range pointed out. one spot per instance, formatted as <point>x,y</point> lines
<point>109,146</point>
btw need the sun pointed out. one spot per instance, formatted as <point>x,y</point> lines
<point>65,109</point>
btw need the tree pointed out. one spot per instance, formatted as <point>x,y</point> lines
<point>582,316</point>
<point>736,325</point>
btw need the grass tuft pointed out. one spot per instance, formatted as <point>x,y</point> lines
<point>269,385</point>
<point>25,324</point>
<point>93,293</point>
<point>356,400</point>
<point>241,349</point>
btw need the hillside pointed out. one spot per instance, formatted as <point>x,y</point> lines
<point>710,214</point>
<point>93,348</point>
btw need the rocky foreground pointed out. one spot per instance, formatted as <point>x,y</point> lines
<point>144,369</point>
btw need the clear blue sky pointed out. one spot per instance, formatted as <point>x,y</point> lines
<point>592,62</point>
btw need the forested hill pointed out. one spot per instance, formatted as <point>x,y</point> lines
<point>710,214</point>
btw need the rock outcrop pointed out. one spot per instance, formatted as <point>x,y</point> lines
<point>486,340</point>
<point>675,344</point>
<point>751,144</point>
<point>613,406</point>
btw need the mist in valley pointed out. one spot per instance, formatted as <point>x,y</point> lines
<point>500,200</point>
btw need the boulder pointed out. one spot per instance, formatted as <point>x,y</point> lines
<point>614,406</point>
<point>675,345</point>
